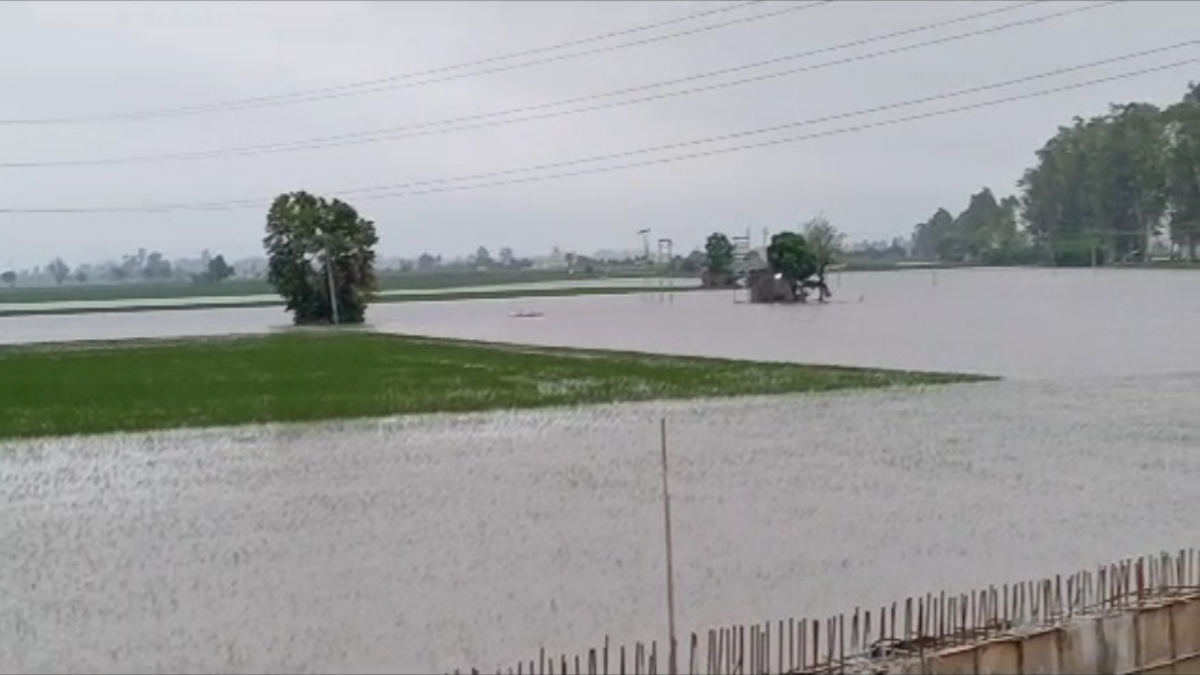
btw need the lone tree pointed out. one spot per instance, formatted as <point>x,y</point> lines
<point>718,254</point>
<point>825,243</point>
<point>789,256</point>
<point>59,270</point>
<point>313,245</point>
<point>216,271</point>
<point>9,277</point>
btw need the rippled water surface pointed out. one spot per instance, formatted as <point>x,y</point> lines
<point>438,542</point>
<point>1016,323</point>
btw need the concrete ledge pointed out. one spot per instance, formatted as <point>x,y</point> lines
<point>1162,639</point>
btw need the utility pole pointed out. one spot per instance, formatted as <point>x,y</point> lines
<point>329,274</point>
<point>332,290</point>
<point>672,668</point>
<point>645,234</point>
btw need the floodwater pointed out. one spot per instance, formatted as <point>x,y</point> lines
<point>235,300</point>
<point>428,544</point>
<point>452,541</point>
<point>1013,323</point>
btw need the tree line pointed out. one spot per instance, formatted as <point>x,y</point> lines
<point>149,266</point>
<point>1102,190</point>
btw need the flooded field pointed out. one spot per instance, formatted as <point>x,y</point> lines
<point>434,543</point>
<point>1015,323</point>
<point>235,300</point>
<point>455,541</point>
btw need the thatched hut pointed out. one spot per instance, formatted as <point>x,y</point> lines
<point>717,279</point>
<point>768,287</point>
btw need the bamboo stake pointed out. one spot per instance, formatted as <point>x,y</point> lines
<point>671,663</point>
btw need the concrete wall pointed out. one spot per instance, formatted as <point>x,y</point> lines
<point>1161,639</point>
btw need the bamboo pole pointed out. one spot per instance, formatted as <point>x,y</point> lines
<point>671,662</point>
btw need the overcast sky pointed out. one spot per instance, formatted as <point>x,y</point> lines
<point>66,58</point>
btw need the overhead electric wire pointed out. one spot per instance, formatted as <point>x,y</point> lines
<point>413,131</point>
<point>391,82</point>
<point>382,194</point>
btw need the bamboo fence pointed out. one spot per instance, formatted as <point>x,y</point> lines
<point>909,628</point>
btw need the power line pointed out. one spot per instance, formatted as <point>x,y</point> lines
<point>381,191</point>
<point>413,131</point>
<point>393,82</point>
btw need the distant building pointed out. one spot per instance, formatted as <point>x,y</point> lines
<point>557,260</point>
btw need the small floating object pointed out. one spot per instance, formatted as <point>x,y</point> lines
<point>525,314</point>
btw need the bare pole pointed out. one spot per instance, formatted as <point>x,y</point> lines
<point>329,274</point>
<point>671,663</point>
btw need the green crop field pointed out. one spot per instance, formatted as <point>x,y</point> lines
<point>316,375</point>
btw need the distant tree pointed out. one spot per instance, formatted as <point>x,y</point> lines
<point>425,262</point>
<point>789,256</point>
<point>81,276</point>
<point>156,268</point>
<point>506,257</point>
<point>118,272</point>
<point>59,270</point>
<point>825,244</point>
<point>694,262</point>
<point>932,239</point>
<point>309,240</point>
<point>482,257</point>
<point>718,254</point>
<point>9,277</point>
<point>218,270</point>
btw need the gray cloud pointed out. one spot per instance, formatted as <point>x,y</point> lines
<point>81,58</point>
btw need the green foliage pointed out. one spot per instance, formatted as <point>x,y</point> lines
<point>718,254</point>
<point>1183,170</point>
<point>1099,190</point>
<point>985,231</point>
<point>309,239</point>
<point>315,376</point>
<point>788,255</point>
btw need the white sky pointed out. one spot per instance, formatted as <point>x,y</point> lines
<point>68,58</point>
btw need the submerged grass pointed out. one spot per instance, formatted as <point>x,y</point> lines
<point>306,376</point>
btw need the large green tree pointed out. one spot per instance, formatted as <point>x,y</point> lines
<point>718,254</point>
<point>789,256</point>
<point>313,244</point>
